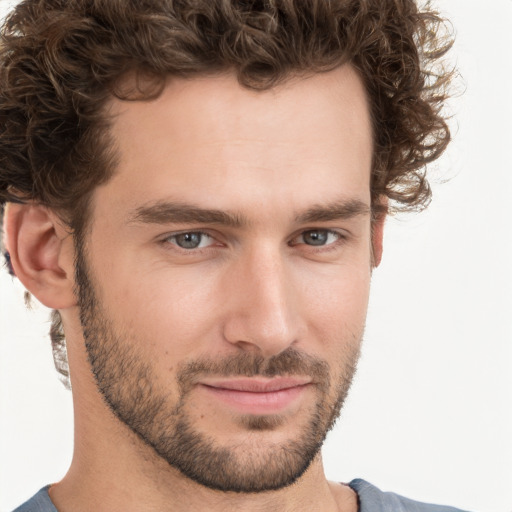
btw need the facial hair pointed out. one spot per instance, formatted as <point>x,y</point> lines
<point>126,379</point>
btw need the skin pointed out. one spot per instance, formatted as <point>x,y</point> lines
<point>257,288</point>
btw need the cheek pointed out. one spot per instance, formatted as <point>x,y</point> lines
<point>163,311</point>
<point>179,310</point>
<point>336,310</point>
<point>338,294</point>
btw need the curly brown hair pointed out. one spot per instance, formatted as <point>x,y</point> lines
<point>62,60</point>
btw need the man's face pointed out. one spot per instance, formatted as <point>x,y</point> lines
<point>224,281</point>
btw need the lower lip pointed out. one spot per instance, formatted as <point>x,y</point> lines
<point>269,402</point>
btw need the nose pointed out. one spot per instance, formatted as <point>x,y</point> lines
<point>262,313</point>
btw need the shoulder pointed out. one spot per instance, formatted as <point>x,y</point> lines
<point>372,499</point>
<point>40,502</point>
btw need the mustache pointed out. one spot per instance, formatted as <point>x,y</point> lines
<point>288,363</point>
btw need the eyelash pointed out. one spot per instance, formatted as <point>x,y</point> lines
<point>341,239</point>
<point>167,240</point>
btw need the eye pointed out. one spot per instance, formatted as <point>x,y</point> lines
<point>191,240</point>
<point>318,237</point>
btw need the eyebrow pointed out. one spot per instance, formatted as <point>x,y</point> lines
<point>169,212</point>
<point>338,210</point>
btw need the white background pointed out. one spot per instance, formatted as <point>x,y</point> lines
<point>430,414</point>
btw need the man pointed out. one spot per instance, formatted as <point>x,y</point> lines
<point>198,190</point>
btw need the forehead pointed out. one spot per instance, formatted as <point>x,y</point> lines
<point>215,142</point>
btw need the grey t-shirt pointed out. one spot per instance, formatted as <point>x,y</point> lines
<point>371,499</point>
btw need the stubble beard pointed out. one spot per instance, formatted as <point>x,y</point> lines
<point>131,390</point>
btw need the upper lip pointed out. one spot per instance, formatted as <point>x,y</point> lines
<point>257,385</point>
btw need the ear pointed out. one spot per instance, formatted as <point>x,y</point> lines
<point>378,221</point>
<point>41,253</point>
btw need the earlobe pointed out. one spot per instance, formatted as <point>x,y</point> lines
<point>41,253</point>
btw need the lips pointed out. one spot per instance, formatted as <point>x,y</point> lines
<point>258,385</point>
<point>257,396</point>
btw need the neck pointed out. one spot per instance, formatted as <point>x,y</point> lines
<point>112,469</point>
<point>146,483</point>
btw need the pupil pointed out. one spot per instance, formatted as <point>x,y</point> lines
<point>315,237</point>
<point>188,240</point>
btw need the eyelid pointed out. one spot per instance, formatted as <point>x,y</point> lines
<point>342,235</point>
<point>216,239</point>
<point>166,239</point>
